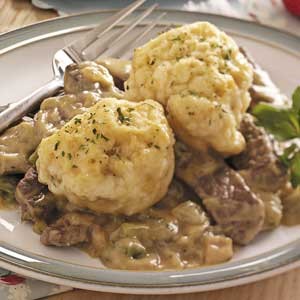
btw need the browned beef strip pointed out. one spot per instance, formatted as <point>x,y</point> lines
<point>34,198</point>
<point>71,229</point>
<point>264,169</point>
<point>237,211</point>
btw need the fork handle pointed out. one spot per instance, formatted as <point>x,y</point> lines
<point>17,110</point>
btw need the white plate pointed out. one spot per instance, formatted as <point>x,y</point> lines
<point>25,64</point>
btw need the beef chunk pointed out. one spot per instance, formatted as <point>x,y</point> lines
<point>261,169</point>
<point>235,208</point>
<point>36,202</point>
<point>259,159</point>
<point>71,229</point>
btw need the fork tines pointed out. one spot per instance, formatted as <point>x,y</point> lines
<point>103,39</point>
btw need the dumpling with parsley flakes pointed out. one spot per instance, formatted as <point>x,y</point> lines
<point>115,158</point>
<point>198,73</point>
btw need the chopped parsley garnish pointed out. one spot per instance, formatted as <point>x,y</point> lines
<point>56,145</point>
<point>214,45</point>
<point>74,167</point>
<point>91,116</point>
<point>192,93</point>
<point>63,153</point>
<point>77,121</point>
<point>177,38</point>
<point>152,61</point>
<point>69,156</point>
<point>104,137</point>
<point>121,117</point>
<point>227,56</point>
<point>94,131</point>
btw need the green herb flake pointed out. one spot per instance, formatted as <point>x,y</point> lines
<point>77,121</point>
<point>69,156</point>
<point>56,145</point>
<point>121,117</point>
<point>192,93</point>
<point>214,45</point>
<point>104,137</point>
<point>283,123</point>
<point>91,116</point>
<point>177,38</point>
<point>152,61</point>
<point>227,56</point>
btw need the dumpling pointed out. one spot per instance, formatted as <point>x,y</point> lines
<point>117,157</point>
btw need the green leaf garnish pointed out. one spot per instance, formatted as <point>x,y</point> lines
<point>291,159</point>
<point>284,124</point>
<point>296,99</point>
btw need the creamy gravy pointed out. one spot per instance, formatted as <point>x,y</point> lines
<point>160,238</point>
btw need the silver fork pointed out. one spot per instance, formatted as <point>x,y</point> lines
<point>75,53</point>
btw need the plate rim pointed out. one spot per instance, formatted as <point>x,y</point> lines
<point>18,32</point>
<point>9,257</point>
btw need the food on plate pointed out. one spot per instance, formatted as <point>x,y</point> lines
<point>235,208</point>
<point>291,205</point>
<point>117,157</point>
<point>7,191</point>
<point>260,167</point>
<point>198,73</point>
<point>16,145</point>
<point>118,68</point>
<point>90,76</point>
<point>174,235</point>
<point>37,204</point>
<point>55,112</point>
<point>94,167</point>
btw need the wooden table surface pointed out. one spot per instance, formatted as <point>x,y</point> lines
<point>17,13</point>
